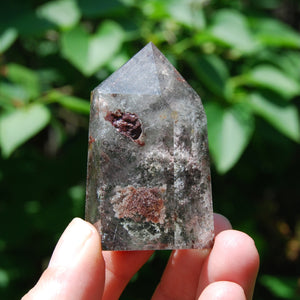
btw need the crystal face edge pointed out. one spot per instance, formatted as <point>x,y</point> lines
<point>155,194</point>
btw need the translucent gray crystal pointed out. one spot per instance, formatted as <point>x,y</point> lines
<point>148,183</point>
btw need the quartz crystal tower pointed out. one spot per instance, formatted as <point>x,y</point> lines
<point>148,183</point>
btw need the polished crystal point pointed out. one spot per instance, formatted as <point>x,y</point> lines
<point>148,183</point>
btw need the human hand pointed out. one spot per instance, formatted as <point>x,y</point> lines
<point>79,270</point>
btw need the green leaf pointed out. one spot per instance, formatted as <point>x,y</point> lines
<point>18,126</point>
<point>7,38</point>
<point>267,76</point>
<point>271,32</point>
<point>13,92</point>
<point>96,8</point>
<point>21,16</point>
<point>284,118</point>
<point>283,287</point>
<point>268,4</point>
<point>290,63</point>
<point>154,9</point>
<point>72,103</point>
<point>229,132</point>
<point>188,13</point>
<point>89,52</point>
<point>49,77</point>
<point>63,13</point>
<point>231,28</point>
<point>77,194</point>
<point>4,278</point>
<point>28,23</point>
<point>212,71</point>
<point>25,78</point>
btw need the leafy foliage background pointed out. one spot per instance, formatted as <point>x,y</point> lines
<point>243,59</point>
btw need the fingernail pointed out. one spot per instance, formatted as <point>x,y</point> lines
<point>70,244</point>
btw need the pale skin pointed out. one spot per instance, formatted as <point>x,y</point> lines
<point>79,270</point>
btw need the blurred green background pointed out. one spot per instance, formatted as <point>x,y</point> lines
<point>242,57</point>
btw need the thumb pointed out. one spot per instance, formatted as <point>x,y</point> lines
<point>76,268</point>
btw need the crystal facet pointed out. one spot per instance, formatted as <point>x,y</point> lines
<point>148,184</point>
